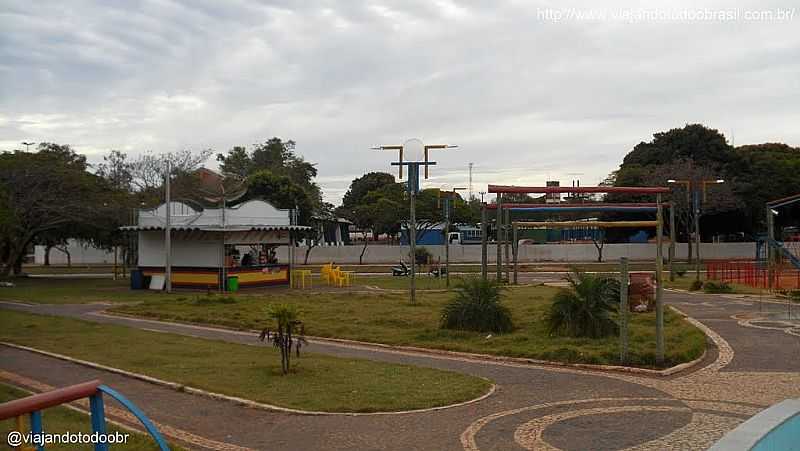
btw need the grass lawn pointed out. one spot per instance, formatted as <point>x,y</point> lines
<point>318,382</point>
<point>424,282</point>
<point>74,291</point>
<point>58,420</point>
<point>476,267</point>
<point>389,318</point>
<point>74,269</point>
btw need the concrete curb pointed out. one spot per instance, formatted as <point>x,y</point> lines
<point>235,399</point>
<point>474,357</point>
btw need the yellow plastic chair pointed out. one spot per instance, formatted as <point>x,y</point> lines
<point>336,277</point>
<point>325,273</point>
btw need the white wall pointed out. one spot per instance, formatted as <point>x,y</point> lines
<point>527,253</point>
<point>79,253</point>
<point>197,253</point>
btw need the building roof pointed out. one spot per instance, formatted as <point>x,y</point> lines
<point>255,228</point>
<point>247,216</point>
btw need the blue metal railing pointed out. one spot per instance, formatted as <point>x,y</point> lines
<point>94,390</point>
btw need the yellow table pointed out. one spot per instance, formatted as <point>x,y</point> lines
<point>349,277</point>
<point>299,278</point>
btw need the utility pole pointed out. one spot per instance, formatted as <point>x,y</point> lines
<point>445,197</point>
<point>167,234</point>
<point>693,191</point>
<point>470,183</point>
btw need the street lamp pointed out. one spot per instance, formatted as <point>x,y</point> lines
<point>416,154</point>
<point>27,145</point>
<point>445,196</point>
<point>693,199</point>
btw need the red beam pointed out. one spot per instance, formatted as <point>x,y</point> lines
<point>44,400</point>
<point>586,205</point>
<point>578,189</point>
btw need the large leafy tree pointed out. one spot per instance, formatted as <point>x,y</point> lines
<point>754,174</point>
<point>361,187</point>
<point>761,173</point>
<point>375,203</point>
<point>280,191</point>
<point>278,157</point>
<point>48,193</point>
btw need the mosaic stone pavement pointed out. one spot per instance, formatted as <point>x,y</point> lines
<point>754,362</point>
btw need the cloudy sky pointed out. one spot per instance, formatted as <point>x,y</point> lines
<point>529,90</point>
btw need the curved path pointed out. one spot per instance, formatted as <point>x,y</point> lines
<point>534,407</point>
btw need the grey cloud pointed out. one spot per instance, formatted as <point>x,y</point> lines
<point>526,98</point>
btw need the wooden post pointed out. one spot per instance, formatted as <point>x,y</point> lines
<point>515,248</point>
<point>484,243</point>
<point>624,310</point>
<point>659,284</point>
<point>697,233</point>
<point>672,238</point>
<point>507,239</point>
<point>770,257</point>
<point>499,227</point>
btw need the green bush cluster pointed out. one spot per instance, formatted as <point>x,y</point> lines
<point>713,286</point>
<point>585,309</point>
<point>478,307</point>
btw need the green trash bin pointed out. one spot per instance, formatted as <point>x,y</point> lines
<point>233,284</point>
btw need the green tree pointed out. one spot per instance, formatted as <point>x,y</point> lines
<point>49,192</point>
<point>361,186</point>
<point>278,157</point>
<point>281,192</point>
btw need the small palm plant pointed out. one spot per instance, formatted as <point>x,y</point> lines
<point>477,306</point>
<point>586,308</point>
<point>289,334</point>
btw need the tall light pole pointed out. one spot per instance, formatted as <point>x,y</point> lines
<point>27,145</point>
<point>445,197</point>
<point>419,155</point>
<point>167,233</point>
<point>694,189</point>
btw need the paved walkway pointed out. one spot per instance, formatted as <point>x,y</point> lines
<point>534,407</point>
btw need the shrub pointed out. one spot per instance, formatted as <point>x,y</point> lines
<point>717,287</point>
<point>586,308</point>
<point>422,255</point>
<point>680,271</point>
<point>477,306</point>
<point>290,332</point>
<point>696,285</point>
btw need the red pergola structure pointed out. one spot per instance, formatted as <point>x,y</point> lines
<point>511,189</point>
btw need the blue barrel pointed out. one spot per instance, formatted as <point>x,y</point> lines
<point>137,279</point>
